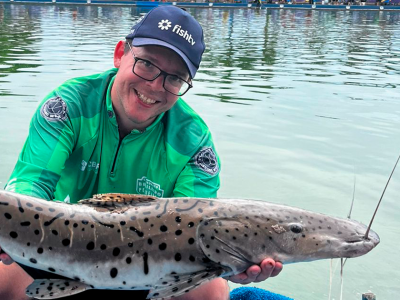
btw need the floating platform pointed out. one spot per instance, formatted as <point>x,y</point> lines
<point>150,4</point>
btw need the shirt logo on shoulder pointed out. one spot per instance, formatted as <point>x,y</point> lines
<point>54,109</point>
<point>207,161</point>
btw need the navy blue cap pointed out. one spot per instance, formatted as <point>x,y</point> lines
<point>174,28</point>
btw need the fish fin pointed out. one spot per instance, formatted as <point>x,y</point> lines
<point>178,284</point>
<point>55,288</point>
<point>117,199</point>
<point>222,241</point>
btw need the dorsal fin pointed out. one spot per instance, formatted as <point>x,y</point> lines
<point>117,199</point>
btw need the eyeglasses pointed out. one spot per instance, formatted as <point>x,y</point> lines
<point>148,71</point>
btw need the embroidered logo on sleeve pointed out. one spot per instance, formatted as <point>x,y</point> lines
<point>206,160</point>
<point>54,109</point>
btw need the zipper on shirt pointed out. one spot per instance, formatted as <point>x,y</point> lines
<point>116,155</point>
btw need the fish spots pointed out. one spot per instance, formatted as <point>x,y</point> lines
<point>138,232</point>
<point>116,251</point>
<point>13,234</point>
<point>103,247</point>
<point>36,216</point>
<point>66,242</point>
<point>90,246</point>
<point>178,232</point>
<point>66,223</point>
<point>51,269</point>
<point>25,224</point>
<point>4,203</point>
<point>162,246</point>
<point>163,228</point>
<point>122,223</point>
<point>8,216</point>
<point>178,219</point>
<point>55,232</point>
<point>113,272</point>
<point>146,220</point>
<point>190,224</point>
<point>191,241</point>
<point>128,260</point>
<point>40,250</point>
<point>178,256</point>
<point>37,232</point>
<point>149,241</point>
<point>39,208</point>
<point>32,260</point>
<point>48,223</point>
<point>145,263</point>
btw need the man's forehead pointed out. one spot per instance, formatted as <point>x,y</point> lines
<point>160,56</point>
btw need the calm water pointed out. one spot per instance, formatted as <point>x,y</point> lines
<point>301,103</point>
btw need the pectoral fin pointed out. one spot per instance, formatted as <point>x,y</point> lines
<point>179,284</point>
<point>55,288</point>
<point>223,241</point>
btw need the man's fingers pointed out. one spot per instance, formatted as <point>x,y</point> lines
<point>268,268</point>
<point>278,268</point>
<point>5,259</point>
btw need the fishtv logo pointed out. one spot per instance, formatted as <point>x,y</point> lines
<point>166,25</point>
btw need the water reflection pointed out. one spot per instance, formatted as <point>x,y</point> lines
<point>18,35</point>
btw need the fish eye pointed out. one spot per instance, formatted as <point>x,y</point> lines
<point>296,228</point>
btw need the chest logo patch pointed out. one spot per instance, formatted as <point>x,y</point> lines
<point>207,161</point>
<point>145,186</point>
<point>54,109</point>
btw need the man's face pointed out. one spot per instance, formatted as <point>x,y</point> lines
<point>138,102</point>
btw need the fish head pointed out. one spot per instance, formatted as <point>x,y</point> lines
<point>256,230</point>
<point>297,235</point>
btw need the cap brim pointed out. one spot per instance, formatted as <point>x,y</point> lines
<point>137,42</point>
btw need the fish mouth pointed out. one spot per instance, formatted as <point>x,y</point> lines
<point>359,245</point>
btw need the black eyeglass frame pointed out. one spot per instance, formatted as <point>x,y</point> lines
<point>159,74</point>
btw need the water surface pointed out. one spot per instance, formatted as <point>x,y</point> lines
<point>301,104</point>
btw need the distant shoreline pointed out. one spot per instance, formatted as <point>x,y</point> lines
<point>150,4</point>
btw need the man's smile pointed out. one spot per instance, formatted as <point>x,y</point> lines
<point>145,99</point>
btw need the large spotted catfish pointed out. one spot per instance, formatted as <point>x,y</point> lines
<point>168,245</point>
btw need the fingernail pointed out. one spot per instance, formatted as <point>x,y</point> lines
<point>255,273</point>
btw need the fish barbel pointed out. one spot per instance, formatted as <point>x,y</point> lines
<point>166,245</point>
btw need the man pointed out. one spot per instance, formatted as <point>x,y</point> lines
<point>126,131</point>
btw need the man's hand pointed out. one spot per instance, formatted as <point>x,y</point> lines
<point>4,258</point>
<point>268,268</point>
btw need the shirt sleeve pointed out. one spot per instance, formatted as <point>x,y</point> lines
<point>50,142</point>
<point>200,177</point>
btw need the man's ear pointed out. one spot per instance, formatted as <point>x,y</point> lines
<point>118,53</point>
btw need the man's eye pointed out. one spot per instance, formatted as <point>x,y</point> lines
<point>146,64</point>
<point>173,78</point>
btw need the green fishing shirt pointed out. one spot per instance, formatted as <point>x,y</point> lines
<point>74,151</point>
